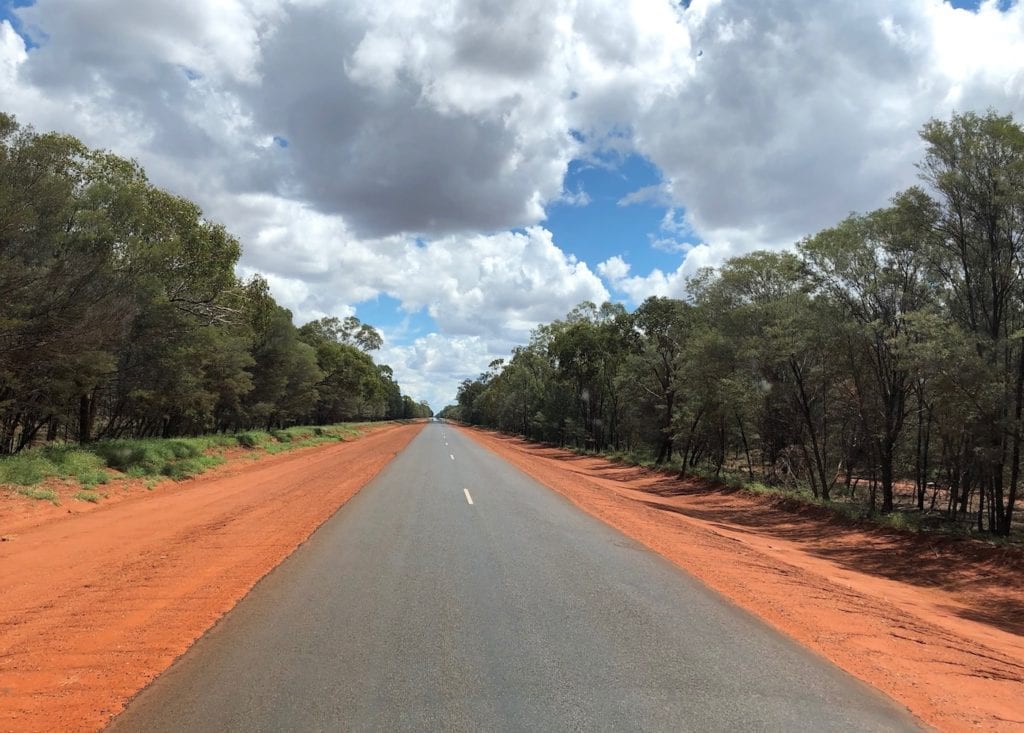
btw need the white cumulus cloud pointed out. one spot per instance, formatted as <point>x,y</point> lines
<point>416,148</point>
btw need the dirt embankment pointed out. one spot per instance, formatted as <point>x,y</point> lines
<point>94,605</point>
<point>936,623</point>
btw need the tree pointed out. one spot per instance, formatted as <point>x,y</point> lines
<point>660,326</point>
<point>871,268</point>
<point>975,165</point>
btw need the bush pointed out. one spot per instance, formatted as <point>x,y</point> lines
<point>151,457</point>
<point>26,469</point>
<point>40,494</point>
<point>189,467</point>
<point>251,440</point>
<point>281,436</point>
<point>148,458</point>
<point>82,465</point>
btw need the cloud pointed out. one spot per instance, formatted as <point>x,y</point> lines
<point>497,285</point>
<point>12,54</point>
<point>579,197</point>
<point>637,288</point>
<point>797,113</point>
<point>658,194</point>
<point>767,122</point>
<point>431,367</point>
<point>427,142</point>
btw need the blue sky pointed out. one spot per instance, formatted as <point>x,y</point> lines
<point>603,227</point>
<point>455,183</point>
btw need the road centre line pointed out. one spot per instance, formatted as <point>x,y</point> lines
<point>468,497</point>
<point>451,456</point>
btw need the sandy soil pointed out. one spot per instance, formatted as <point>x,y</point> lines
<point>95,604</point>
<point>935,623</point>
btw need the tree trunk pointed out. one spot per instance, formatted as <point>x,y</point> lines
<point>746,447</point>
<point>84,419</point>
<point>805,406</point>
<point>887,477</point>
<point>689,442</point>
<point>1007,519</point>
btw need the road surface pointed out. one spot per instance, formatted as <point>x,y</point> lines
<point>455,593</point>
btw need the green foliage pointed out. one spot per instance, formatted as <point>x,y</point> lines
<point>252,439</point>
<point>83,466</point>
<point>146,457</point>
<point>90,496</point>
<point>27,469</point>
<point>122,318</point>
<point>152,459</point>
<point>40,494</point>
<point>173,458</point>
<point>31,467</point>
<point>188,467</point>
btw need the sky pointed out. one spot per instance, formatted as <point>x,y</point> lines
<point>456,172</point>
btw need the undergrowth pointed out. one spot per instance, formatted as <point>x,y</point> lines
<point>795,494</point>
<point>31,467</point>
<point>151,459</point>
<point>41,494</point>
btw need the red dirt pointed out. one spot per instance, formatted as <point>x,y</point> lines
<point>933,622</point>
<point>97,604</point>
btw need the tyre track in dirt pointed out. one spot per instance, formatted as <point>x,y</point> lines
<point>913,636</point>
<point>95,605</point>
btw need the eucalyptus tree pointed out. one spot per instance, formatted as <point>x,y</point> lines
<point>974,165</point>
<point>63,304</point>
<point>659,331</point>
<point>783,341</point>
<point>587,349</point>
<point>872,269</point>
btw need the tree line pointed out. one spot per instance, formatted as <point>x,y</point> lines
<point>885,352</point>
<point>121,314</point>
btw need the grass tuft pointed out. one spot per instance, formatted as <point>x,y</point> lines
<point>26,469</point>
<point>252,439</point>
<point>40,494</point>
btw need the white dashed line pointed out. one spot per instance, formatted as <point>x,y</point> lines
<point>468,497</point>
<point>451,456</point>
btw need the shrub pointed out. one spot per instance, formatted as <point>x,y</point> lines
<point>26,469</point>
<point>40,494</point>
<point>251,440</point>
<point>189,467</point>
<point>281,436</point>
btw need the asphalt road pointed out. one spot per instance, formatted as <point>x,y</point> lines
<point>455,593</point>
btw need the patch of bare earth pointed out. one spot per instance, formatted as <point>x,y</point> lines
<point>94,605</point>
<point>934,622</point>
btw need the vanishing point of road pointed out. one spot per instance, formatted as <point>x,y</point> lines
<point>454,593</point>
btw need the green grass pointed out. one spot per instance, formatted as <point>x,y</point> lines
<point>152,459</point>
<point>26,469</point>
<point>90,496</point>
<point>39,494</point>
<point>253,439</point>
<point>31,467</point>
